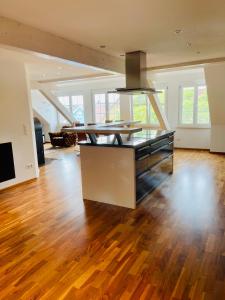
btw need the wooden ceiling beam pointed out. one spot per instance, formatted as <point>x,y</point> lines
<point>187,64</point>
<point>72,78</point>
<point>18,35</point>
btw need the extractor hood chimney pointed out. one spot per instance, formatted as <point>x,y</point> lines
<point>136,75</point>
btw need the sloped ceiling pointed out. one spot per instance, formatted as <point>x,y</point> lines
<point>46,68</point>
<point>127,25</point>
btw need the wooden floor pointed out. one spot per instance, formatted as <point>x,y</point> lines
<point>54,246</point>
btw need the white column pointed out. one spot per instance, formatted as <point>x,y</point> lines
<point>215,79</point>
<point>16,120</point>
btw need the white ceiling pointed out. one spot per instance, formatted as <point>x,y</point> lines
<point>127,25</point>
<point>47,68</point>
<point>50,69</point>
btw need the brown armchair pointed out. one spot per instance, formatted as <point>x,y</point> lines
<point>80,136</point>
<point>63,139</point>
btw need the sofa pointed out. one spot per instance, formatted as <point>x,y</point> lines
<point>63,139</point>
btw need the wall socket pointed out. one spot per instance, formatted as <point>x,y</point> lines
<point>29,166</point>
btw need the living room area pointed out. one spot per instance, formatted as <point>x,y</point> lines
<point>112,150</point>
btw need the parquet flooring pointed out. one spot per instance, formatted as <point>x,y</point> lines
<point>55,246</point>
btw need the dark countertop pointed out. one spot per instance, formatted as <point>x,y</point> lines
<point>136,140</point>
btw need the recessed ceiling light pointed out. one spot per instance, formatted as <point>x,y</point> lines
<point>178,31</point>
<point>102,46</point>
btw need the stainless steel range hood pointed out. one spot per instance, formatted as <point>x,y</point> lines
<point>136,76</point>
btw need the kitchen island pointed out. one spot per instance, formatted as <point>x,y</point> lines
<point>124,171</point>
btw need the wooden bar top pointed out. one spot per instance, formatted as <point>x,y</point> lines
<point>102,130</point>
<point>106,128</point>
<point>118,123</point>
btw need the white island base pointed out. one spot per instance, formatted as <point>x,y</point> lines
<point>124,173</point>
<point>108,175</point>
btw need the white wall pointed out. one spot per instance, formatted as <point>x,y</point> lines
<point>46,113</point>
<point>215,78</point>
<point>16,120</point>
<point>185,137</point>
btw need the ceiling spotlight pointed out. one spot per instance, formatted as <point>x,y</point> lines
<point>178,31</point>
<point>102,46</point>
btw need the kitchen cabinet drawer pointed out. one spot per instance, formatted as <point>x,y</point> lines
<point>160,143</point>
<point>150,179</point>
<point>147,161</point>
<point>149,148</point>
<point>142,151</point>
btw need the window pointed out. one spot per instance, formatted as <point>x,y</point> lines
<point>75,105</point>
<point>203,106</point>
<point>100,108</point>
<point>113,107</point>
<point>106,107</point>
<point>140,108</point>
<point>194,108</point>
<point>187,113</point>
<point>77,108</point>
<point>162,98</point>
<point>143,110</point>
<point>65,101</point>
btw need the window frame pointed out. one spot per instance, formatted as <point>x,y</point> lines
<point>195,123</point>
<point>154,125</point>
<point>70,95</point>
<point>107,106</point>
<point>132,110</point>
<point>71,104</point>
<point>99,92</point>
<point>105,92</point>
